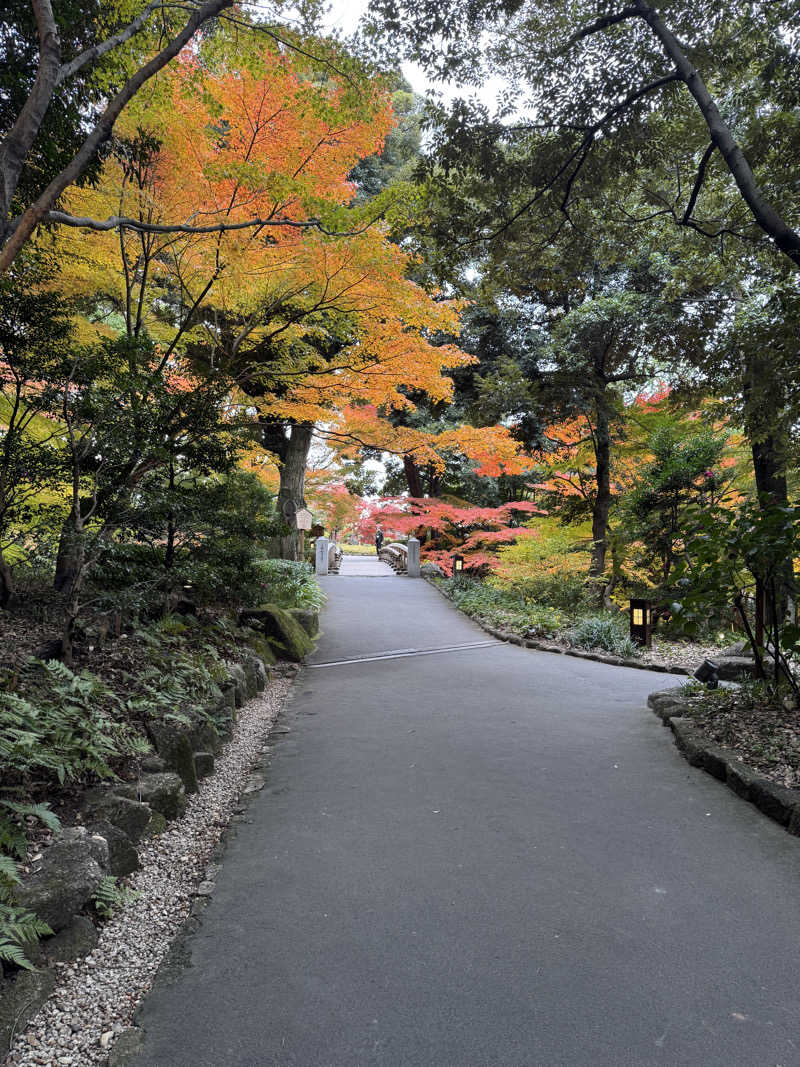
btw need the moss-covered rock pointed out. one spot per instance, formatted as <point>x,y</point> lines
<point>281,629</point>
<point>260,645</point>
<point>308,619</point>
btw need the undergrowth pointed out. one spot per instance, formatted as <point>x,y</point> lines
<point>289,584</point>
<point>603,631</point>
<point>501,608</point>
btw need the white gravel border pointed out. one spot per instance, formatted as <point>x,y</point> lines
<point>97,996</point>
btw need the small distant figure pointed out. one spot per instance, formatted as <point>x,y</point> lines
<point>378,540</point>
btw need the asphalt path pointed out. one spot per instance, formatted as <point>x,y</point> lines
<point>488,857</point>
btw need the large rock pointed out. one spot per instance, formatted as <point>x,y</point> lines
<point>203,734</point>
<point>688,740</point>
<point>205,763</point>
<point>255,672</point>
<point>123,858</point>
<point>65,878</point>
<point>740,648</point>
<point>173,743</point>
<point>72,943</point>
<point>307,618</point>
<point>20,999</point>
<point>128,814</point>
<point>224,715</point>
<point>431,570</point>
<point>239,679</point>
<point>283,632</point>
<point>163,793</point>
<point>735,668</point>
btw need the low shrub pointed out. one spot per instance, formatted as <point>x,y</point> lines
<point>550,568</point>
<point>502,608</point>
<point>288,584</point>
<point>602,631</point>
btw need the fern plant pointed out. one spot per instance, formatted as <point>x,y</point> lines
<point>110,896</point>
<point>62,726</point>
<point>18,926</point>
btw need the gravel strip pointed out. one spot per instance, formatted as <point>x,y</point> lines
<point>97,996</point>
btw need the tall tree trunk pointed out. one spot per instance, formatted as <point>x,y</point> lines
<point>169,553</point>
<point>602,500</point>
<point>73,604</point>
<point>763,396</point>
<point>413,477</point>
<point>69,543</point>
<point>6,583</point>
<point>293,482</point>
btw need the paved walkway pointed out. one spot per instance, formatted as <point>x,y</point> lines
<point>364,567</point>
<point>488,857</point>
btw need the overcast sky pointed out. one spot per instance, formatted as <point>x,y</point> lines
<point>345,16</point>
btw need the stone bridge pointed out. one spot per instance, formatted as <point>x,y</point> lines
<point>400,558</point>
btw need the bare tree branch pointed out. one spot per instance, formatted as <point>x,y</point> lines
<point>91,55</point>
<point>698,182</point>
<point>127,223</point>
<point>18,142</point>
<point>101,131</point>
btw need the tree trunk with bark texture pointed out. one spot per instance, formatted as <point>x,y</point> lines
<point>293,481</point>
<point>413,477</point>
<point>7,588</point>
<point>68,552</point>
<point>602,501</point>
<point>763,395</point>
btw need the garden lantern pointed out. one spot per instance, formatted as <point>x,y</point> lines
<point>641,622</point>
<point>458,566</point>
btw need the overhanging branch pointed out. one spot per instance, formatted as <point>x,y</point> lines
<point>125,222</point>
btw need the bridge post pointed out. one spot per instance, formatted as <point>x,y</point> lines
<point>322,555</point>
<point>413,557</point>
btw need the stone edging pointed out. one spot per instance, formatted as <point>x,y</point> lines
<point>777,802</point>
<point>116,816</point>
<point>553,646</point>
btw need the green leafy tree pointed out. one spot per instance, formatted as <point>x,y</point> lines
<point>681,475</point>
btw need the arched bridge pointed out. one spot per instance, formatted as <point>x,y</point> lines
<point>393,557</point>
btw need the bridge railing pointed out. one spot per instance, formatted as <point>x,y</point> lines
<point>396,555</point>
<point>334,558</point>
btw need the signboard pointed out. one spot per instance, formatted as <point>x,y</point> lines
<point>303,518</point>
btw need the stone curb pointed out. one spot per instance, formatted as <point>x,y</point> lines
<point>777,802</point>
<point>552,646</point>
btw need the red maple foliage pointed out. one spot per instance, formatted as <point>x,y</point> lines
<point>447,528</point>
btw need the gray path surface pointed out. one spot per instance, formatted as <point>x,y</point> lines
<point>364,567</point>
<point>485,858</point>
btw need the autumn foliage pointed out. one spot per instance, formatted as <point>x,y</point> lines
<point>449,527</point>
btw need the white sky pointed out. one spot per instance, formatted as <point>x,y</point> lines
<point>345,15</point>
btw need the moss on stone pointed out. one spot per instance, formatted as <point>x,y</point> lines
<point>284,633</point>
